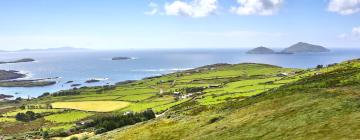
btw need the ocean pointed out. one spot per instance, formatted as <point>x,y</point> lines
<point>82,66</point>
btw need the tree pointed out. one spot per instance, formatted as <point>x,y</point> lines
<point>22,107</point>
<point>21,117</point>
<point>27,116</point>
<point>44,95</point>
<point>45,135</point>
<point>319,66</point>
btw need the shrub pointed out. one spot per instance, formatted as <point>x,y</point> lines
<point>67,93</point>
<point>74,138</point>
<point>319,66</point>
<point>215,119</point>
<point>27,116</point>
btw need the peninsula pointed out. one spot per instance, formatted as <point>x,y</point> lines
<point>9,75</point>
<point>18,61</point>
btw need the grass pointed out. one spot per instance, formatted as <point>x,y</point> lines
<point>316,107</point>
<point>96,106</point>
<point>241,89</point>
<point>3,120</point>
<point>153,103</point>
<point>61,127</point>
<point>13,113</point>
<point>81,136</point>
<point>67,117</point>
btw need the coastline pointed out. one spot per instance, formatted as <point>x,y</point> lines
<point>13,78</point>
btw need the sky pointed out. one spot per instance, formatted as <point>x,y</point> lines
<point>168,24</point>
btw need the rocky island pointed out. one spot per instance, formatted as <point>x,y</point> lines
<point>8,75</point>
<point>26,83</point>
<point>261,50</point>
<point>302,47</point>
<point>121,58</point>
<point>7,79</point>
<point>92,81</point>
<point>18,61</point>
<point>3,96</point>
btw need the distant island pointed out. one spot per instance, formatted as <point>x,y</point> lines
<point>26,83</point>
<point>92,81</point>
<point>3,96</point>
<point>121,58</point>
<point>8,75</point>
<point>7,79</point>
<point>302,47</point>
<point>261,50</point>
<point>18,61</point>
<point>49,49</point>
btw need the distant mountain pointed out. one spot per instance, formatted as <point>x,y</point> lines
<point>261,50</point>
<point>54,49</point>
<point>302,47</point>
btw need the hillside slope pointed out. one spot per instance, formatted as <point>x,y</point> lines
<point>323,106</point>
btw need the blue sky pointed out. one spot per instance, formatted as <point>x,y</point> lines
<point>147,24</point>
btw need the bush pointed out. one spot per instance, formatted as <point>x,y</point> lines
<point>74,138</point>
<point>27,116</point>
<point>67,93</point>
<point>319,66</point>
<point>213,120</point>
<point>44,95</point>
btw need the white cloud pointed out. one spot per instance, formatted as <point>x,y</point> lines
<point>257,7</point>
<point>195,8</point>
<point>355,34</point>
<point>356,31</point>
<point>344,7</point>
<point>154,9</point>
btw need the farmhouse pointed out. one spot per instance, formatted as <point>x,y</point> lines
<point>215,86</point>
<point>83,123</point>
<point>186,96</point>
<point>284,74</point>
<point>128,112</point>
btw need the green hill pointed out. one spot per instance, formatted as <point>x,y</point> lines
<point>323,106</point>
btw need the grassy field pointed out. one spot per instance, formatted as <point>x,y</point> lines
<point>61,127</point>
<point>13,113</point>
<point>96,106</point>
<point>323,106</point>
<point>3,120</point>
<point>67,117</point>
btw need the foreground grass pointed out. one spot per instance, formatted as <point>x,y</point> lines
<point>2,120</point>
<point>324,106</point>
